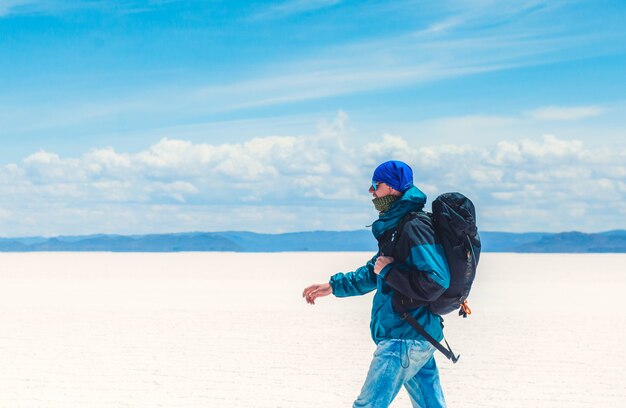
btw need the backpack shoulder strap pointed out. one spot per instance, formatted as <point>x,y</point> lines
<point>410,217</point>
<point>390,238</point>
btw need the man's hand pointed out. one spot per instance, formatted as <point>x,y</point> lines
<point>314,291</point>
<point>381,262</point>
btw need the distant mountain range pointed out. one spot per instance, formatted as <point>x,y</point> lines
<point>361,240</point>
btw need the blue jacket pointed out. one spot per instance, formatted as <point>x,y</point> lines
<point>419,271</point>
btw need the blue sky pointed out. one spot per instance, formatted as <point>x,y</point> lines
<point>161,116</point>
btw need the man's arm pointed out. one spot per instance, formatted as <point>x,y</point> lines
<point>359,282</point>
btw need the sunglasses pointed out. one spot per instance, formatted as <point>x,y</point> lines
<point>375,184</point>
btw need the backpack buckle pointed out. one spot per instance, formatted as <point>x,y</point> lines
<point>465,309</point>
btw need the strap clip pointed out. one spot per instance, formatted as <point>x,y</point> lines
<point>465,309</point>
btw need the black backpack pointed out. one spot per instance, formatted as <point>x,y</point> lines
<point>454,220</point>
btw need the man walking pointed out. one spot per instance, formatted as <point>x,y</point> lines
<point>411,266</point>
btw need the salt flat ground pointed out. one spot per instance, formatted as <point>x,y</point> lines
<point>231,330</point>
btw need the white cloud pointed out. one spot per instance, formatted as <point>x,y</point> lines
<point>485,175</point>
<point>499,195</point>
<point>176,190</point>
<point>108,159</point>
<point>527,151</point>
<point>4,214</point>
<point>389,146</point>
<point>42,157</point>
<point>560,113</point>
<point>528,184</point>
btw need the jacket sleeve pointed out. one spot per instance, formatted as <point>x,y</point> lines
<point>422,271</point>
<point>359,282</point>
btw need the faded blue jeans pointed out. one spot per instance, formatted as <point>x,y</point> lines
<point>402,362</point>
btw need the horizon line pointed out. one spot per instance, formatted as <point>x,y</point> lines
<point>278,233</point>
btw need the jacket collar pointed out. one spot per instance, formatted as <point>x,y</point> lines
<point>412,200</point>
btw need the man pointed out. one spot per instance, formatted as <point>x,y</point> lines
<point>413,267</point>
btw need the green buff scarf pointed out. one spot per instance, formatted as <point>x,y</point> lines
<point>382,204</point>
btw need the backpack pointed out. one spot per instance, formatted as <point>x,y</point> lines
<point>454,220</point>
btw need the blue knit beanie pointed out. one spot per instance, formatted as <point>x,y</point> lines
<point>396,174</point>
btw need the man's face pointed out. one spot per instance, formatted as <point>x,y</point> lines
<point>379,189</point>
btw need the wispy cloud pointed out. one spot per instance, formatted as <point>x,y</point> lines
<point>8,7</point>
<point>404,60</point>
<point>383,64</point>
<point>54,7</point>
<point>560,113</point>
<point>482,38</point>
<point>293,7</point>
<point>442,26</point>
<point>350,70</point>
<point>467,38</point>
